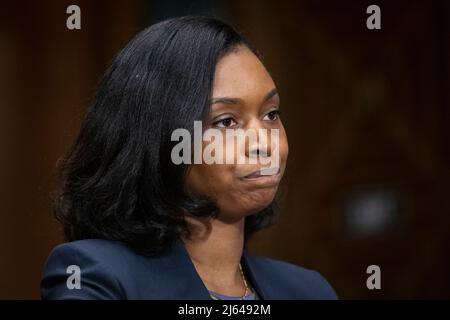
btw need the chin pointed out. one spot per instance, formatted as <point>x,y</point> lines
<point>254,208</point>
<point>246,204</point>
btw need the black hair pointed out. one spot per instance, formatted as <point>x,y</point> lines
<point>117,181</point>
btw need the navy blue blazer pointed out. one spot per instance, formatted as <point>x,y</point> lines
<point>111,270</point>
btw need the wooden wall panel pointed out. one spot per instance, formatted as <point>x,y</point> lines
<point>50,74</point>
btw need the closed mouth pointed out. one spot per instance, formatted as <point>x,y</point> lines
<point>264,172</point>
<point>263,178</point>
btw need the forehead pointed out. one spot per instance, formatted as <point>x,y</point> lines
<point>241,74</point>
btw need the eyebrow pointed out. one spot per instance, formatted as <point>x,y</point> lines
<point>228,100</point>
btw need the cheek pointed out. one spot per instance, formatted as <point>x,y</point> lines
<point>210,180</point>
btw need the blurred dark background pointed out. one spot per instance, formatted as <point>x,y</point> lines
<point>366,111</point>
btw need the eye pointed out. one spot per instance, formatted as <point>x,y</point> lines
<point>225,123</point>
<point>272,115</point>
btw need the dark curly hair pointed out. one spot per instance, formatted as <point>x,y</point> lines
<point>117,181</point>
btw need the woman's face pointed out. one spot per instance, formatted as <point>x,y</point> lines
<point>244,97</point>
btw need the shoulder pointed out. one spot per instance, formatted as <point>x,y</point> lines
<point>94,250</point>
<point>293,281</point>
<point>97,261</point>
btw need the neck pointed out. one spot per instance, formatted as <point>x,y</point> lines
<point>216,248</point>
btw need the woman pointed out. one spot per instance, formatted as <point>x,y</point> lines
<point>142,225</point>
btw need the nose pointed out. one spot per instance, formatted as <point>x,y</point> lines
<point>258,143</point>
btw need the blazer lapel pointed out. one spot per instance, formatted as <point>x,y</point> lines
<point>257,277</point>
<point>181,272</point>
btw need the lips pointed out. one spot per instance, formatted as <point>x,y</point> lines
<point>262,178</point>
<point>263,172</point>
